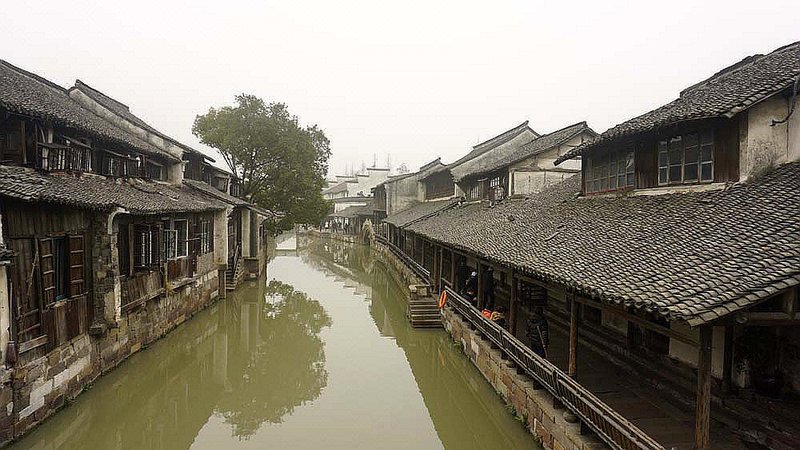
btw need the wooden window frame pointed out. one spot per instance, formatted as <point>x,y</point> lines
<point>604,174</point>
<point>703,143</point>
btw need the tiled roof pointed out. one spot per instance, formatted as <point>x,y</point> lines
<point>502,138</point>
<point>96,192</point>
<point>216,193</point>
<point>692,256</point>
<point>122,110</point>
<point>725,94</point>
<point>341,187</point>
<point>418,211</point>
<point>543,143</point>
<point>355,211</point>
<point>26,93</point>
<point>486,154</point>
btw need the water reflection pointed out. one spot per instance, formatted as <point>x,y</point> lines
<point>268,384</point>
<point>230,361</point>
<point>320,357</point>
<point>465,410</point>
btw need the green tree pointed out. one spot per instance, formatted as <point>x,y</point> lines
<point>282,164</point>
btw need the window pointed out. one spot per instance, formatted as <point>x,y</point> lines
<point>176,239</point>
<point>182,228</point>
<point>145,245</point>
<point>497,188</point>
<point>170,244</point>
<point>61,267</point>
<point>206,236</point>
<point>686,159</point>
<point>610,172</point>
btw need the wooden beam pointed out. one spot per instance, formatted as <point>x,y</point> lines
<point>573,338</point>
<point>639,321</point>
<point>702,428</point>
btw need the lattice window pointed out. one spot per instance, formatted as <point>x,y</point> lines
<point>686,159</point>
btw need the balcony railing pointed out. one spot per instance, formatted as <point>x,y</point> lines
<point>63,157</point>
<point>420,271</point>
<point>610,426</point>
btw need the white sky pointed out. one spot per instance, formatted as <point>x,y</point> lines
<point>414,79</point>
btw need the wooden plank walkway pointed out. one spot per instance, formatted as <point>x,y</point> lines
<point>652,411</point>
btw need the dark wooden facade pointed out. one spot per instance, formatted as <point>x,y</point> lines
<point>439,185</point>
<point>726,138</point>
<point>50,276</point>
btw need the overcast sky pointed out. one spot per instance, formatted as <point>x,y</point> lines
<point>411,79</point>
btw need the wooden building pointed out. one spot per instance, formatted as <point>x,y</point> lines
<point>673,254</point>
<point>105,246</point>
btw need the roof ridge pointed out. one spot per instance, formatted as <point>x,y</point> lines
<point>517,128</point>
<point>35,77</point>
<point>80,84</point>
<point>736,67</point>
<point>583,124</point>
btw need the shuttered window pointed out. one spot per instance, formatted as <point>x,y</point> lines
<point>62,267</point>
<point>76,261</point>
<point>47,273</point>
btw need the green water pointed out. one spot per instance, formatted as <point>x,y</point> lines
<point>318,356</point>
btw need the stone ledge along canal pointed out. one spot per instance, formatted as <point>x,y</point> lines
<point>319,355</point>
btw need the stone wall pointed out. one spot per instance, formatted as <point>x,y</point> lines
<point>535,407</point>
<point>41,387</point>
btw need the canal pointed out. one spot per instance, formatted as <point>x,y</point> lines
<point>318,356</point>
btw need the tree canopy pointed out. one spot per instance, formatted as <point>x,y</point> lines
<point>282,164</point>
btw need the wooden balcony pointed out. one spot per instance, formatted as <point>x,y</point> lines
<point>53,157</point>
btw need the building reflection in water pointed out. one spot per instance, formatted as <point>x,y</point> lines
<point>255,358</point>
<point>230,361</point>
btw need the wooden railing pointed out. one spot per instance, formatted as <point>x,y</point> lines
<point>610,426</point>
<point>62,157</point>
<point>421,272</point>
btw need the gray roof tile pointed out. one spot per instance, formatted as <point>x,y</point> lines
<point>689,256</point>
<point>723,95</point>
<point>101,193</point>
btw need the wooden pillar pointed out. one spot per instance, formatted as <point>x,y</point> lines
<point>573,338</point>
<point>514,304</point>
<point>702,427</point>
<point>437,268</point>
<point>453,270</point>
<point>480,285</point>
<point>727,367</point>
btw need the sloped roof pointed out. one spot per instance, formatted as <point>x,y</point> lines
<point>692,256</point>
<point>123,111</point>
<point>341,187</point>
<point>207,189</point>
<point>26,93</point>
<point>724,94</point>
<point>487,153</point>
<point>355,211</point>
<point>542,144</point>
<point>418,211</point>
<point>101,193</point>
